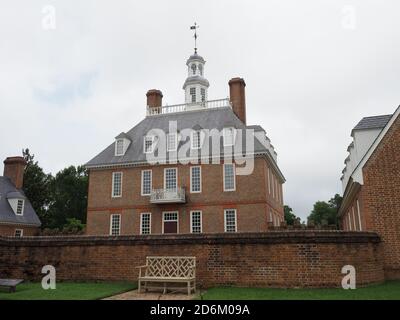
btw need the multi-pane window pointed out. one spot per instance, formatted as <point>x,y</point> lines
<point>172,142</point>
<point>116,184</point>
<point>170,216</point>
<point>193,94</point>
<point>196,140</point>
<point>230,220</point>
<point>203,94</point>
<point>115,224</point>
<point>170,222</point>
<point>170,178</point>
<point>195,222</point>
<point>148,144</point>
<point>229,177</point>
<point>119,147</point>
<point>145,223</point>
<point>228,134</point>
<point>195,179</point>
<point>19,233</point>
<point>146,182</point>
<point>20,207</point>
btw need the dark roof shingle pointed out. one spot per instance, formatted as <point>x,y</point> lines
<point>7,215</point>
<point>375,122</point>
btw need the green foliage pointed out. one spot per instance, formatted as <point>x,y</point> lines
<point>325,213</point>
<point>290,217</point>
<point>36,186</point>
<point>59,201</point>
<point>68,190</point>
<point>73,226</point>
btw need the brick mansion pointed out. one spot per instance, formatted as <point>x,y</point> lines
<point>128,195</point>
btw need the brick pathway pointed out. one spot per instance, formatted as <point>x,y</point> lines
<point>134,295</point>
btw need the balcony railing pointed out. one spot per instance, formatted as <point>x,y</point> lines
<point>168,195</point>
<point>188,107</point>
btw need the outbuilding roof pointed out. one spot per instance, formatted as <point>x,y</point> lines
<point>7,215</point>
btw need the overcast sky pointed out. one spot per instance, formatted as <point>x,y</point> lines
<point>313,69</point>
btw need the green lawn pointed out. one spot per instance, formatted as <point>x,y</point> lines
<point>387,291</point>
<point>67,291</point>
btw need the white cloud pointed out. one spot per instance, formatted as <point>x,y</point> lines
<point>66,93</point>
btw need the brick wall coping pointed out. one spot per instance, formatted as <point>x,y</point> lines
<point>272,237</point>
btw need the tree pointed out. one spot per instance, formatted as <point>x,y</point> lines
<point>68,191</point>
<point>325,213</point>
<point>36,187</point>
<point>290,217</point>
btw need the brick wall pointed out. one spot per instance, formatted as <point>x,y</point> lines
<point>9,230</point>
<point>381,194</point>
<point>277,259</point>
<point>379,199</point>
<point>252,199</point>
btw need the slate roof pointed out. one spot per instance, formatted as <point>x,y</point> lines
<point>217,118</point>
<point>375,122</point>
<point>7,215</point>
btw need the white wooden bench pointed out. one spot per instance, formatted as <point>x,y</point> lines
<point>168,270</point>
<point>10,284</point>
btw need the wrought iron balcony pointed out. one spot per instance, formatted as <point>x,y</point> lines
<point>211,104</point>
<point>168,195</point>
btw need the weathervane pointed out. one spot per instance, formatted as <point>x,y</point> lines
<point>195,27</point>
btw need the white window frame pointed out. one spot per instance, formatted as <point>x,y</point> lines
<point>354,219</point>
<point>111,224</point>
<point>234,177</point>
<point>191,179</point>
<point>225,226</point>
<point>177,220</point>
<point>152,143</point>
<point>348,213</point>
<point>203,94</point>
<point>193,95</point>
<point>192,140</point>
<point>21,213</point>
<point>165,178</point>
<point>21,233</point>
<point>232,129</point>
<point>113,185</point>
<point>191,220</point>
<point>142,183</point>
<point>359,215</point>
<point>176,141</point>
<point>141,222</point>
<point>117,142</point>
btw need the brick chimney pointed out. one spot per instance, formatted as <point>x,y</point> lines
<point>154,100</point>
<point>238,98</point>
<point>14,169</point>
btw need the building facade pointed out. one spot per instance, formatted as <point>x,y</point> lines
<point>190,168</point>
<point>17,216</point>
<point>371,188</point>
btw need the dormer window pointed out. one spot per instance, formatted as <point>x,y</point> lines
<point>148,144</point>
<point>119,147</point>
<point>20,207</point>
<point>122,142</point>
<point>229,137</point>
<point>196,140</point>
<point>172,142</point>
